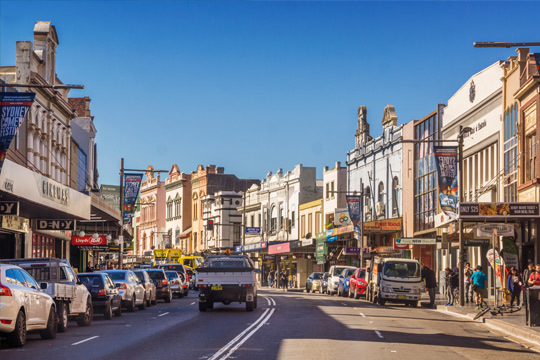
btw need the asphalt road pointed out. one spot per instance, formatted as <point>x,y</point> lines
<point>286,326</point>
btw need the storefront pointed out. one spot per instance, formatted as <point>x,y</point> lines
<point>382,235</point>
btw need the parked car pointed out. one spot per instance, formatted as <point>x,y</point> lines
<point>191,277</point>
<point>178,268</point>
<point>313,282</point>
<point>24,307</point>
<point>333,277</point>
<point>106,298</point>
<point>358,283</point>
<point>185,284</point>
<point>129,287</point>
<point>175,283</point>
<point>324,283</point>
<point>149,286</point>
<point>163,290</point>
<point>345,281</point>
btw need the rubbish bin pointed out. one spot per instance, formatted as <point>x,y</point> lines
<point>533,306</point>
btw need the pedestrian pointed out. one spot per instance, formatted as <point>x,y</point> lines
<point>514,286</point>
<point>283,280</point>
<point>467,283</point>
<point>534,278</point>
<point>526,274</point>
<point>449,281</point>
<point>428,276</point>
<point>478,279</point>
<point>270,278</point>
<point>89,268</point>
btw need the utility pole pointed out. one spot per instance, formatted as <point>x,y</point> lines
<point>121,235</point>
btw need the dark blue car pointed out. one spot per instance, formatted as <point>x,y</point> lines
<point>344,281</point>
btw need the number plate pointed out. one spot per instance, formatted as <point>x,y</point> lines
<point>401,297</point>
<point>216,287</point>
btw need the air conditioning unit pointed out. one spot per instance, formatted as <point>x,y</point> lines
<point>379,208</point>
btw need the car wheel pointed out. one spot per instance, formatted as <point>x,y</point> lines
<point>414,304</point>
<point>86,318</point>
<point>149,301</point>
<point>62,317</point>
<point>186,292</point>
<point>118,311</point>
<point>154,302</point>
<point>17,337</point>
<point>249,306</point>
<point>50,331</point>
<point>131,305</point>
<point>180,294</point>
<point>143,305</point>
<point>356,294</point>
<point>168,298</point>
<point>203,306</point>
<point>108,312</point>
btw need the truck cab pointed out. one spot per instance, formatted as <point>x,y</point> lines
<point>396,280</point>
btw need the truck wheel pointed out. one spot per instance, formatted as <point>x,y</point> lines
<point>249,306</point>
<point>381,301</point>
<point>86,318</point>
<point>17,337</point>
<point>62,311</point>
<point>50,331</point>
<point>202,306</point>
<point>255,302</point>
<point>210,304</point>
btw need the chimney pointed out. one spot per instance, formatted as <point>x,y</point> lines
<point>24,52</point>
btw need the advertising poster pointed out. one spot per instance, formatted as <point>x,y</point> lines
<point>132,184</point>
<point>353,204</point>
<point>447,171</point>
<point>13,109</point>
<point>342,217</point>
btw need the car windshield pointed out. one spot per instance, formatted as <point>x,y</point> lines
<point>401,269</point>
<point>91,281</point>
<point>171,275</point>
<point>159,275</point>
<point>117,275</point>
<point>317,276</point>
<point>337,271</point>
<point>361,274</point>
<point>140,275</point>
<point>348,272</point>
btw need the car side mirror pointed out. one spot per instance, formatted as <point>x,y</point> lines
<point>341,276</point>
<point>44,286</point>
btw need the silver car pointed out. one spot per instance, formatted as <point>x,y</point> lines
<point>130,288</point>
<point>175,283</point>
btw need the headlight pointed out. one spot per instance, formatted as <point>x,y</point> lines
<point>387,289</point>
<point>414,291</point>
<point>347,283</point>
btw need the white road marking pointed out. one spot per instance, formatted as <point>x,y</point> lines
<point>393,351</point>
<point>228,355</point>
<point>268,300</point>
<point>163,314</point>
<point>192,303</point>
<point>371,322</point>
<point>362,314</point>
<point>273,301</point>
<point>239,336</point>
<point>344,304</point>
<point>379,334</point>
<point>85,340</point>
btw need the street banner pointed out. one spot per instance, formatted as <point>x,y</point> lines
<point>13,109</point>
<point>495,261</point>
<point>447,171</point>
<point>132,184</point>
<point>342,217</point>
<point>353,203</point>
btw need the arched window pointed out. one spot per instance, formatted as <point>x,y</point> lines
<point>395,188</point>
<point>195,197</point>
<point>381,192</point>
<point>273,219</point>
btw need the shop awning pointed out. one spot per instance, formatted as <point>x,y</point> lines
<point>184,234</point>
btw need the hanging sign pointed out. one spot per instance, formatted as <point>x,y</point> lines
<point>502,229</point>
<point>446,161</point>
<point>132,184</point>
<point>9,208</point>
<point>13,109</point>
<point>353,204</point>
<point>342,217</point>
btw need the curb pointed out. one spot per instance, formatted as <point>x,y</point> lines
<point>513,332</point>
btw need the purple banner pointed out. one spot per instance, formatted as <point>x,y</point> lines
<point>13,109</point>
<point>132,184</point>
<point>447,171</point>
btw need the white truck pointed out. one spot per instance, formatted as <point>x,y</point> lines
<point>395,280</point>
<point>57,278</point>
<point>227,279</point>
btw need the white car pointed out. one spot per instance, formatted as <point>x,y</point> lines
<point>24,307</point>
<point>333,277</point>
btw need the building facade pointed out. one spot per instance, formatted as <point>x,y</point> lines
<point>178,211</point>
<point>153,208</point>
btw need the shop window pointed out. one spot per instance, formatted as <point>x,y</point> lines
<point>530,157</point>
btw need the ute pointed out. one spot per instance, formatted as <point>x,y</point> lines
<point>227,279</point>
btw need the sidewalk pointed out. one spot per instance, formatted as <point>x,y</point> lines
<point>509,325</point>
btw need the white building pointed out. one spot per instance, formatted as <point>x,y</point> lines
<point>221,210</point>
<point>178,211</point>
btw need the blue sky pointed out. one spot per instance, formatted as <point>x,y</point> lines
<point>257,86</point>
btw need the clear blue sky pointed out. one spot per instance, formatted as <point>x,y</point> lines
<point>257,86</point>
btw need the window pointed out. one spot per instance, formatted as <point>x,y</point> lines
<point>177,204</point>
<point>169,209</point>
<point>292,219</point>
<point>273,220</point>
<point>303,225</point>
<point>317,222</point>
<point>395,188</point>
<point>310,223</point>
<point>81,171</point>
<point>252,220</point>
<point>530,157</point>
<point>333,193</point>
<point>280,217</point>
<point>15,277</point>
<point>259,220</point>
<point>236,234</point>
<point>195,212</point>
<point>381,192</point>
<point>327,191</point>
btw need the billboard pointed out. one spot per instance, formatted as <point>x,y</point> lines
<point>132,184</point>
<point>499,210</point>
<point>447,175</point>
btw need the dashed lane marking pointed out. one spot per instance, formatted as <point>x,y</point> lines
<point>379,334</point>
<point>85,340</point>
<point>193,303</point>
<point>163,314</point>
<point>362,314</point>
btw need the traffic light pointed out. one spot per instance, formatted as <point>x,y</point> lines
<point>210,225</point>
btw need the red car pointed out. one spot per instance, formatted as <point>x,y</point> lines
<point>358,283</point>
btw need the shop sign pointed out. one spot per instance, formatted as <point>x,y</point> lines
<point>340,230</point>
<point>442,219</point>
<point>53,191</point>
<point>88,240</point>
<point>455,237</point>
<point>352,250</point>
<point>284,257</point>
<point>268,257</point>
<point>476,242</point>
<point>417,241</point>
<point>385,250</point>
<point>9,208</point>
<point>100,248</point>
<point>307,242</point>
<point>342,217</point>
<point>15,223</point>
<point>384,225</point>
<point>398,246</point>
<point>279,248</point>
<point>321,236</point>
<point>238,248</point>
<point>333,238</point>
<point>253,230</point>
<point>8,186</point>
<point>55,225</point>
<point>255,246</point>
<point>499,210</point>
<point>501,229</point>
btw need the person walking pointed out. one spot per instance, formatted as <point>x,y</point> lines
<point>449,287</point>
<point>270,278</point>
<point>284,280</point>
<point>467,283</point>
<point>534,278</point>
<point>514,286</point>
<point>428,276</point>
<point>478,279</point>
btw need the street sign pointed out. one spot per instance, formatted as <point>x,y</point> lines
<point>416,241</point>
<point>9,208</point>
<point>55,225</point>
<point>502,229</point>
<point>238,249</point>
<point>476,242</point>
<point>253,230</point>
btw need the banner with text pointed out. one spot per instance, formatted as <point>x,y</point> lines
<point>13,109</point>
<point>447,171</point>
<point>353,203</point>
<point>132,184</point>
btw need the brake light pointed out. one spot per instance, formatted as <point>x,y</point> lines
<point>247,285</point>
<point>102,292</point>
<point>202,285</point>
<point>165,282</point>
<point>122,286</point>
<point>5,322</point>
<point>4,290</point>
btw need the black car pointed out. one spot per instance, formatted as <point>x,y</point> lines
<point>105,296</point>
<point>163,289</point>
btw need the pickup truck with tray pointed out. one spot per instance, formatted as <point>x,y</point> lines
<point>227,279</point>
<point>57,278</point>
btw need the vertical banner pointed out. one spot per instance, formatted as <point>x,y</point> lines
<point>132,184</point>
<point>354,202</point>
<point>446,159</point>
<point>13,109</point>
